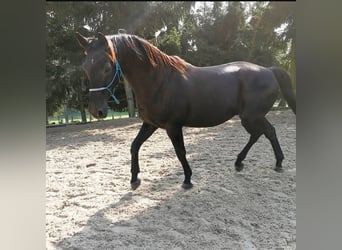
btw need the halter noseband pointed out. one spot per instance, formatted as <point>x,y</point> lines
<point>118,73</point>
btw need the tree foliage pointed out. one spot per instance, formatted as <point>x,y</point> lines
<point>203,33</point>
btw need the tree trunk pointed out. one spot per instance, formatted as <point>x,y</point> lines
<point>293,65</point>
<point>130,99</point>
<point>80,99</point>
<point>83,115</point>
<point>282,102</point>
<point>66,113</point>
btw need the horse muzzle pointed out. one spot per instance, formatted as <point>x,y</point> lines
<point>98,109</point>
<point>99,113</point>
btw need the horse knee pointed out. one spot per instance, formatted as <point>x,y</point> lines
<point>180,152</point>
<point>134,147</point>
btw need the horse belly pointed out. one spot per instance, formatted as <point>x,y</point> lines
<point>212,104</point>
<point>210,115</point>
<point>206,123</point>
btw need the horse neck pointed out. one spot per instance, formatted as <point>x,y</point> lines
<point>142,77</point>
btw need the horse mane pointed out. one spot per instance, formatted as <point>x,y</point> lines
<point>152,54</point>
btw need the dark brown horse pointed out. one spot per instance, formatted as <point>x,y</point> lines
<point>172,93</point>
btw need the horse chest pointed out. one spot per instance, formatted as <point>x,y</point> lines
<point>152,115</point>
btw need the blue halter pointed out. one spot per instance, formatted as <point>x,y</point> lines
<point>118,73</point>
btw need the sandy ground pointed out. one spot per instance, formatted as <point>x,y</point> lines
<point>89,203</point>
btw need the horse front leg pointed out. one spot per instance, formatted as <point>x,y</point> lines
<point>176,136</point>
<point>145,132</point>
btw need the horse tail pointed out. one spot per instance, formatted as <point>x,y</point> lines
<point>285,85</point>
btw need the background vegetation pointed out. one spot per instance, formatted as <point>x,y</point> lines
<point>202,33</point>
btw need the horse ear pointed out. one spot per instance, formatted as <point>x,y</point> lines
<point>83,41</point>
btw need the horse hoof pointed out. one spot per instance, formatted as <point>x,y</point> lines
<point>187,185</point>
<point>279,169</point>
<point>135,184</point>
<point>239,167</point>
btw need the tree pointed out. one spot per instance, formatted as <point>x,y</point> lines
<point>63,52</point>
<point>215,33</point>
<point>62,61</point>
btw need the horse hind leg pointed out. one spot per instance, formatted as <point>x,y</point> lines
<point>270,134</point>
<point>255,133</point>
<point>256,128</point>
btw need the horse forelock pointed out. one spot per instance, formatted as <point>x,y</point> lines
<point>154,56</point>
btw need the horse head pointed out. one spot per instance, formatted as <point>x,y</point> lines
<point>102,71</point>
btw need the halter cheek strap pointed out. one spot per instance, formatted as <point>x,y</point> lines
<point>118,73</point>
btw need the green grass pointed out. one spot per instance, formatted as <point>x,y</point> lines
<point>74,116</point>
<point>279,108</point>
